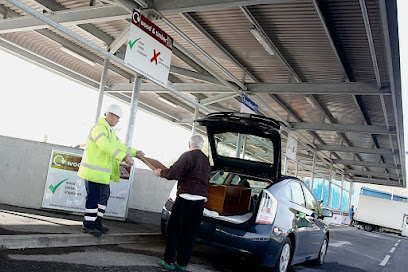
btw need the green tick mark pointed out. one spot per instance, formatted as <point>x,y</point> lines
<point>53,188</point>
<point>131,44</point>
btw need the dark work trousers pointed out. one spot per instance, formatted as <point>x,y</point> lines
<point>97,196</point>
<point>182,229</point>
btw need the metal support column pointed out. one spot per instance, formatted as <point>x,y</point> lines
<point>313,171</point>
<point>102,88</point>
<point>194,123</point>
<point>323,188</point>
<point>244,148</point>
<point>330,183</point>
<point>350,193</point>
<point>285,169</point>
<point>239,145</point>
<point>133,109</point>
<point>296,170</point>
<point>341,189</point>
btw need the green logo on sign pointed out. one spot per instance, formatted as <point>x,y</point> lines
<point>54,188</point>
<point>131,44</point>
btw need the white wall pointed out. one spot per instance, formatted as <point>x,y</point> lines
<point>23,172</point>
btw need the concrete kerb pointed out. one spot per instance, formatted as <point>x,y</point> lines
<point>22,228</point>
<point>73,240</point>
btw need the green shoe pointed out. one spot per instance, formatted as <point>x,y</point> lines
<point>166,265</point>
<point>180,267</point>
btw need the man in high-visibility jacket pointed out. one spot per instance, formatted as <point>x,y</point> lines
<point>100,165</point>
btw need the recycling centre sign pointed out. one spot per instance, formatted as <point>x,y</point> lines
<point>149,49</point>
<point>64,190</point>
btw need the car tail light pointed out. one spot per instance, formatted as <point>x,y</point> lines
<point>267,209</point>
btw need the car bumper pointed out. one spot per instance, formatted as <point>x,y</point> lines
<point>259,241</point>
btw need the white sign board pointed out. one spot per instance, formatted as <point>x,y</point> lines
<point>149,49</point>
<point>64,190</point>
<point>291,147</point>
<point>247,105</point>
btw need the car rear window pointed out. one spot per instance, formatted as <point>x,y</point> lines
<point>226,178</point>
<point>244,146</point>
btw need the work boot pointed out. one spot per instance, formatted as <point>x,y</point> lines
<point>92,231</point>
<point>102,228</point>
<point>169,266</point>
<point>180,267</point>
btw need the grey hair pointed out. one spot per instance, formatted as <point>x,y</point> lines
<point>196,141</point>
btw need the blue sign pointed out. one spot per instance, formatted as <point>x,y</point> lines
<point>249,103</point>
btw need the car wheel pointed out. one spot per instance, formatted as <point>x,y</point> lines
<point>283,262</point>
<point>322,252</point>
<point>368,227</point>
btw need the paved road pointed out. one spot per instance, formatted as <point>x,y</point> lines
<point>350,250</point>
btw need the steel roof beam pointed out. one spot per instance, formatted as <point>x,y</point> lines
<point>348,149</point>
<point>389,20</point>
<point>207,68</point>
<point>343,128</point>
<point>206,55</point>
<point>278,54</point>
<point>376,181</point>
<point>372,174</point>
<point>370,39</point>
<point>66,18</point>
<point>333,46</point>
<point>217,98</point>
<point>180,6</point>
<point>93,30</point>
<point>370,42</point>
<point>182,87</point>
<point>215,43</point>
<point>367,164</point>
<point>198,76</point>
<point>73,47</point>
<point>353,88</point>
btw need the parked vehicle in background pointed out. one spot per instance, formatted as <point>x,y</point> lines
<point>251,207</point>
<point>382,211</point>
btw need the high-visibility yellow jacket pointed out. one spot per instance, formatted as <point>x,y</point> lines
<point>104,151</point>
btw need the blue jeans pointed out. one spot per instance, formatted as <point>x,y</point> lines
<point>97,196</point>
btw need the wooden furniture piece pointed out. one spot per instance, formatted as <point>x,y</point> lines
<point>152,163</point>
<point>228,199</point>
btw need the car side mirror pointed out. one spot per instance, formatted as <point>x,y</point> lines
<point>327,213</point>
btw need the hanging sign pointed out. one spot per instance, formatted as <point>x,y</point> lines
<point>291,147</point>
<point>149,49</point>
<point>64,190</point>
<point>247,105</point>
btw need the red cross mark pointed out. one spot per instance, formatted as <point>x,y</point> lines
<point>155,56</point>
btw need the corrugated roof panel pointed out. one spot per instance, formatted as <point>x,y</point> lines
<point>345,22</point>
<point>203,43</point>
<point>342,108</point>
<point>290,27</point>
<point>222,25</point>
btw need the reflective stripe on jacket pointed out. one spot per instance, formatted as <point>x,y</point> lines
<point>104,151</point>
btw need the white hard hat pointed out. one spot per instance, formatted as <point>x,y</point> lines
<point>115,109</point>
